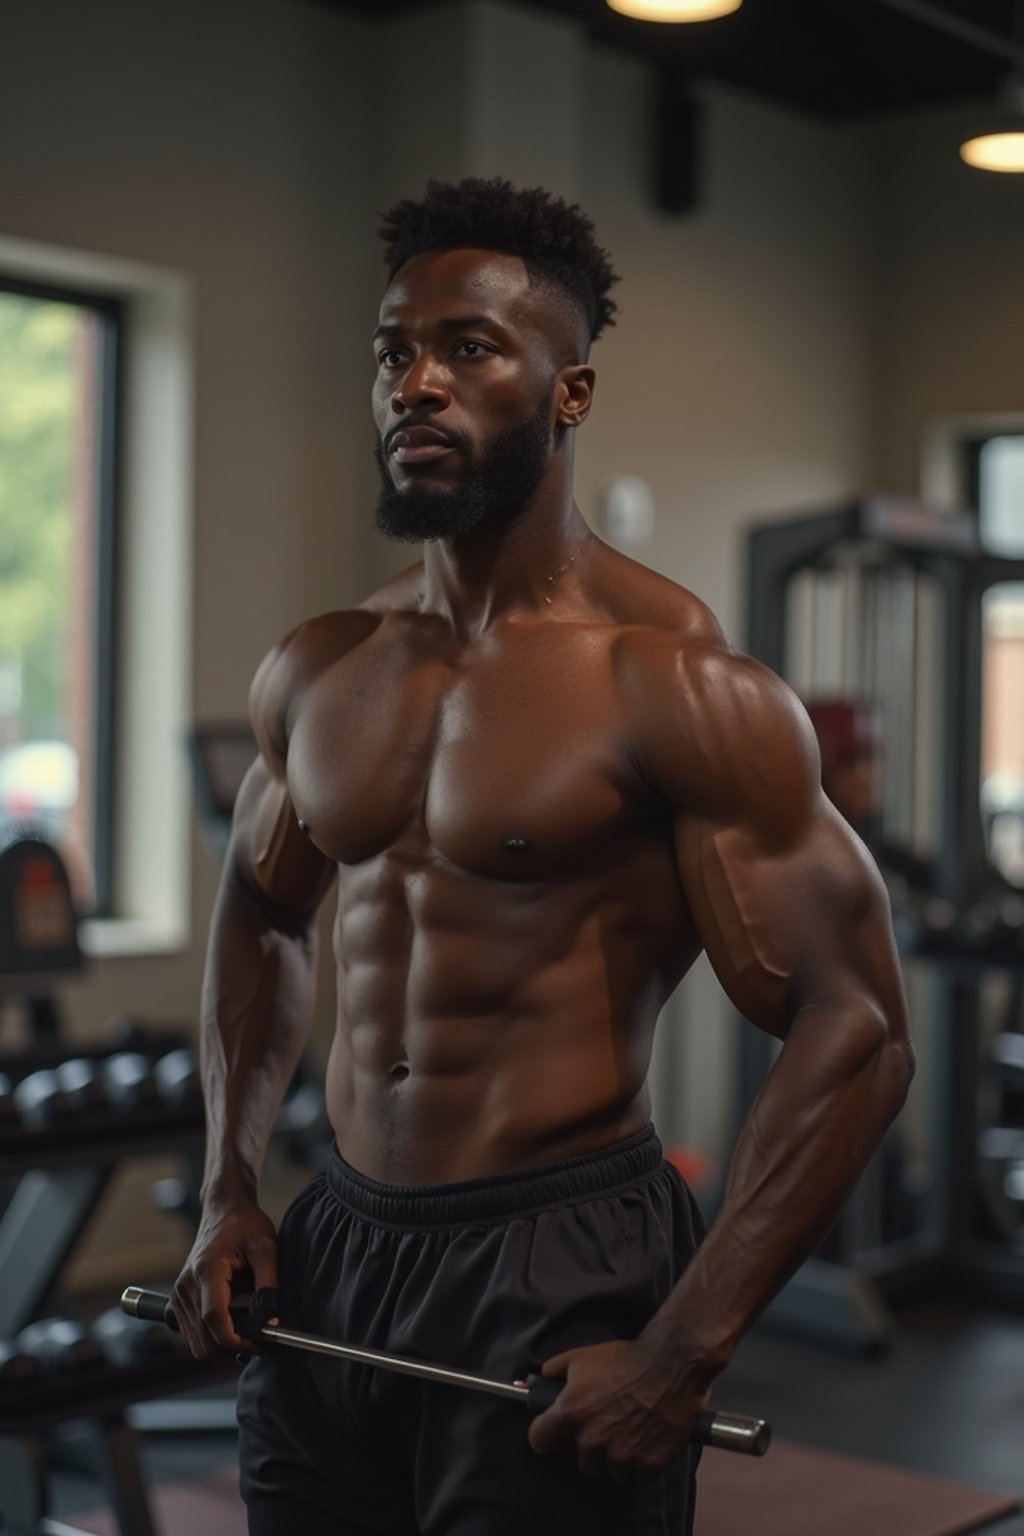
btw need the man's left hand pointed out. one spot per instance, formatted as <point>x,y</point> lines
<point>628,1413</point>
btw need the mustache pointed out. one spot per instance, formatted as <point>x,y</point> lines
<point>457,439</point>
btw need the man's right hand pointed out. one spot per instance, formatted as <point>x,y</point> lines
<point>230,1240</point>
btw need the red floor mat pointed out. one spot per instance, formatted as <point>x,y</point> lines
<point>793,1491</point>
<point>797,1491</point>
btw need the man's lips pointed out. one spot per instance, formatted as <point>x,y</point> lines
<point>418,445</point>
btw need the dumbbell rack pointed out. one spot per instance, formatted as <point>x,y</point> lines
<point>62,1170</point>
<point>101,1398</point>
<point>59,1173</point>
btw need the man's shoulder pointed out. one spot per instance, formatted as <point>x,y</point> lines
<point>316,643</point>
<point>664,629</point>
<point>683,680</point>
<point>658,619</point>
<point>706,717</point>
<point>287,671</point>
<point>669,636</point>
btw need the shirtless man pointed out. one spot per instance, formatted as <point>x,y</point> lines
<point>544,782</point>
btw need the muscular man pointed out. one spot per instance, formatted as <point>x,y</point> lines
<point>544,782</point>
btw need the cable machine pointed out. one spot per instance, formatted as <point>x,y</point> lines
<point>883,602</point>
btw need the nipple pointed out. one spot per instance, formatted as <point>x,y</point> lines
<point>516,844</point>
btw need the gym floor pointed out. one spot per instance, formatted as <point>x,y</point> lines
<point>947,1399</point>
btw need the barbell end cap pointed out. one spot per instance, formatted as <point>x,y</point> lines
<point>761,1438</point>
<point>733,1432</point>
<point>150,1306</point>
<point>130,1298</point>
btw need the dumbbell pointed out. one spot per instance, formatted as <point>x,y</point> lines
<point>54,1095</point>
<point>10,1114</point>
<point>124,1342</point>
<point>17,1368</point>
<point>129,1080</point>
<point>177,1078</point>
<point>62,1347</point>
<point>41,1100</point>
<point>83,1083</point>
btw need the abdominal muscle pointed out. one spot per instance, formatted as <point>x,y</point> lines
<point>514,1038</point>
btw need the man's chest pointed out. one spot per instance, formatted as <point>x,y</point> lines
<point>508,764</point>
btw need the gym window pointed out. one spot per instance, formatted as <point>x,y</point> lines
<point>996,482</point>
<point>997,491</point>
<point>59,378</point>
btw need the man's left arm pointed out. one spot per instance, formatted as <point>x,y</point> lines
<point>796,923</point>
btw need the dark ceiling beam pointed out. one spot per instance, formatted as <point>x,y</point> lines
<point>955,26</point>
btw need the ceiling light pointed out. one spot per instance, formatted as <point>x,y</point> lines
<point>995,151</point>
<point>1000,147</point>
<point>675,10</point>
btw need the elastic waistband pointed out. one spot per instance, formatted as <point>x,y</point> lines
<point>415,1207</point>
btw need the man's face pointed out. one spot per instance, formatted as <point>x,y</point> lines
<point>467,356</point>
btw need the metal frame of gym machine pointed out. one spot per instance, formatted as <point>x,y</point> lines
<point>51,1181</point>
<point>844,1304</point>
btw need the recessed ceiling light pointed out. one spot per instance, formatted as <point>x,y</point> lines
<point>995,151</point>
<point>1000,144</point>
<point>675,10</point>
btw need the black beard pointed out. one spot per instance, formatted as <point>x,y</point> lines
<point>493,488</point>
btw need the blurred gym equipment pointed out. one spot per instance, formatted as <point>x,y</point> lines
<point>68,1118</point>
<point>881,604</point>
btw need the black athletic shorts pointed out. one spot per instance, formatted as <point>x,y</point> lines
<point>492,1276</point>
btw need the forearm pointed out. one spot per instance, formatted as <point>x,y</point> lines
<point>257,999</point>
<point>819,1115</point>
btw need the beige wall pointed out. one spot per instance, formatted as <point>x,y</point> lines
<point>950,259</point>
<point>778,348</point>
<point>737,380</point>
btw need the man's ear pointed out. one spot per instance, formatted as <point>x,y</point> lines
<point>574,394</point>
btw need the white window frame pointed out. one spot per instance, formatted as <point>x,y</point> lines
<point>151,819</point>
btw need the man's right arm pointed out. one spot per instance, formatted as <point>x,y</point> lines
<point>257,1000</point>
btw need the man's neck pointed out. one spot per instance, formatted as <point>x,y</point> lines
<point>525,566</point>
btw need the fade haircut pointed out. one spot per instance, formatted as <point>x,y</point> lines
<point>554,238</point>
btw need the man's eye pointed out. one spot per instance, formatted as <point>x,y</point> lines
<point>390,357</point>
<point>471,349</point>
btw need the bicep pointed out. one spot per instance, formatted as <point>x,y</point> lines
<point>794,923</point>
<point>269,853</point>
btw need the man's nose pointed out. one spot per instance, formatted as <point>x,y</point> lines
<point>423,383</point>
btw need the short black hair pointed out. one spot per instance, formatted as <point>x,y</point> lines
<point>554,238</point>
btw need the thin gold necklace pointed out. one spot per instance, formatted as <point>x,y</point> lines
<point>563,568</point>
